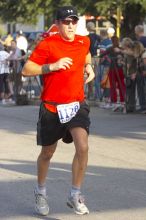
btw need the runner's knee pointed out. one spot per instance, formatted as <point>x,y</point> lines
<point>47,153</point>
<point>82,150</point>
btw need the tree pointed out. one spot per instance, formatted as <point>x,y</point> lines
<point>27,11</point>
<point>133,12</point>
<point>20,10</point>
<point>133,15</point>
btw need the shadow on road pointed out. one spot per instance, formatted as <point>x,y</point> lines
<point>106,189</point>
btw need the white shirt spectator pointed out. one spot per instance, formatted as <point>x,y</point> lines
<point>4,65</point>
<point>22,43</point>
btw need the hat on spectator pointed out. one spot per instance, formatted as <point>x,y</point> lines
<point>66,12</point>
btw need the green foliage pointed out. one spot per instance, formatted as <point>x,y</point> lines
<point>19,10</point>
<point>27,11</point>
<point>133,15</point>
<point>133,11</point>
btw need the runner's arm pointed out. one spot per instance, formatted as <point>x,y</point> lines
<point>89,69</point>
<point>33,69</point>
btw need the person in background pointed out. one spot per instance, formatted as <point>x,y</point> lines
<point>135,55</point>
<point>33,42</point>
<point>139,32</point>
<point>94,43</point>
<point>144,72</point>
<point>139,53</point>
<point>4,73</point>
<point>16,67</point>
<point>21,41</point>
<point>7,41</point>
<point>103,68</point>
<point>130,68</point>
<point>116,74</point>
<point>62,59</point>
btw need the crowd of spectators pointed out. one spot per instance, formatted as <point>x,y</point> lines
<point>13,54</point>
<point>119,66</point>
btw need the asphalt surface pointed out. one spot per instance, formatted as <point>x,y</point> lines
<point>115,181</point>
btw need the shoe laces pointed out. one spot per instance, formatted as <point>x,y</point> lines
<point>80,198</point>
<point>41,199</point>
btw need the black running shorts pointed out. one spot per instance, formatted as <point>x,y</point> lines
<point>50,130</point>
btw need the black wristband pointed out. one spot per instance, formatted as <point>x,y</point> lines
<point>45,69</point>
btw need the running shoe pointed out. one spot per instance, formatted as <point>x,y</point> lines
<point>77,203</point>
<point>41,205</point>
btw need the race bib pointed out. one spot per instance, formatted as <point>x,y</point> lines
<point>67,111</point>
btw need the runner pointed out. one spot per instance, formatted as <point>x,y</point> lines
<point>62,59</point>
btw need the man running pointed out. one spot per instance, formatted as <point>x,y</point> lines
<point>62,60</point>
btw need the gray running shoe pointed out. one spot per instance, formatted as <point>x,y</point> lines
<point>77,203</point>
<point>41,205</point>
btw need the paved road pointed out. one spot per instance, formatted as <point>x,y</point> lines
<point>115,182</point>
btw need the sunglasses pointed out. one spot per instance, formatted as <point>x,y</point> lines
<point>67,22</point>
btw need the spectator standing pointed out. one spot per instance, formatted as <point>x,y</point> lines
<point>139,32</point>
<point>62,59</point>
<point>94,43</point>
<point>94,39</point>
<point>103,68</point>
<point>130,68</point>
<point>4,72</point>
<point>16,67</point>
<point>136,60</point>
<point>116,74</point>
<point>21,41</point>
<point>31,47</point>
<point>139,53</point>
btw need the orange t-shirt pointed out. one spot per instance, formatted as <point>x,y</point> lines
<point>63,86</point>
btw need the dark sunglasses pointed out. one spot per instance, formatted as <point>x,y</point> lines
<point>67,22</point>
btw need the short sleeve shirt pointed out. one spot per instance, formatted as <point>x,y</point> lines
<point>63,86</point>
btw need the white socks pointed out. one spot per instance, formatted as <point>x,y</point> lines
<point>74,190</point>
<point>41,189</point>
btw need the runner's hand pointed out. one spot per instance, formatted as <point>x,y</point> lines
<point>90,73</point>
<point>63,63</point>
